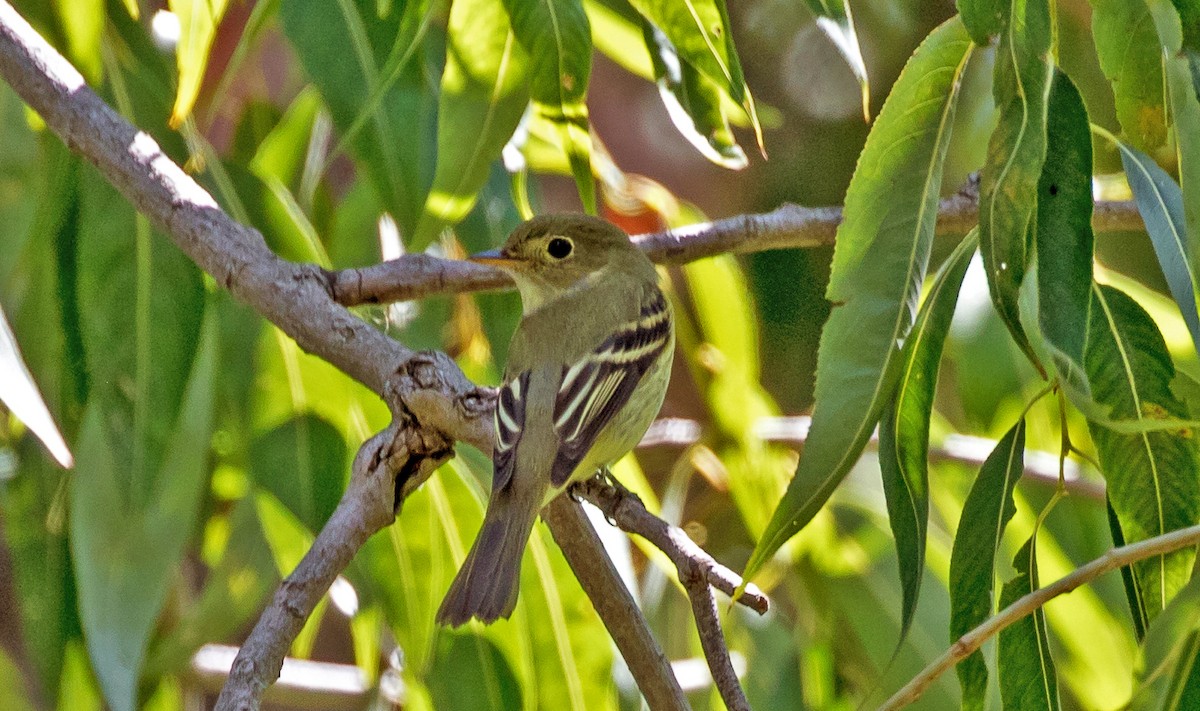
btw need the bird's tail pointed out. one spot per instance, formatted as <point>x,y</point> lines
<point>486,585</point>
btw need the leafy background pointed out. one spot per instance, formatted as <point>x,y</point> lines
<point>209,448</point>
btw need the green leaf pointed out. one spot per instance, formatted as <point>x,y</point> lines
<point>836,21</point>
<point>878,267</point>
<point>490,683</point>
<point>198,21</point>
<point>1128,47</point>
<point>557,38</point>
<point>341,45</point>
<point>1160,203</point>
<point>20,395</point>
<point>700,31</point>
<point>1064,234</point>
<point>983,18</point>
<point>1028,681</point>
<point>1168,653</point>
<point>694,103</point>
<point>303,462</point>
<point>1015,155</point>
<point>1152,485</point>
<point>14,684</point>
<point>988,507</point>
<point>485,90</point>
<point>126,543</point>
<point>234,592</point>
<point>82,23</point>
<point>904,429</point>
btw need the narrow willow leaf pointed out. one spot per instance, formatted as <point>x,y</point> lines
<point>1129,582</point>
<point>556,36</point>
<point>693,102</point>
<point>1169,652</point>
<point>700,31</point>
<point>1028,681</point>
<point>1128,47</point>
<point>496,690</point>
<point>303,463</point>
<point>127,544</point>
<point>82,24</point>
<point>485,89</point>
<point>904,429</point>
<point>1064,237</point>
<point>988,508</point>
<point>983,18</point>
<point>1015,155</point>
<point>341,46</point>
<point>1152,485</point>
<point>878,267</point>
<point>1160,202</point>
<point>837,22</point>
<point>20,394</point>
<point>198,21</point>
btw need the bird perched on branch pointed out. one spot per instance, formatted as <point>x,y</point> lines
<point>586,374</point>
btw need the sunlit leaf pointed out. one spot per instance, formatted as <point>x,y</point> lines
<point>557,38</point>
<point>1015,155</point>
<point>82,23</point>
<point>1064,240</point>
<point>878,267</point>
<point>485,89</point>
<point>617,33</point>
<point>198,21</point>
<point>1152,485</point>
<point>1127,44</point>
<point>904,428</point>
<point>14,684</point>
<point>20,394</point>
<point>700,32</point>
<point>1028,680</point>
<point>836,21</point>
<point>1160,203</point>
<point>988,507</point>
<point>694,103</point>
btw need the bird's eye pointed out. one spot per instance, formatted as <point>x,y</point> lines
<point>559,248</point>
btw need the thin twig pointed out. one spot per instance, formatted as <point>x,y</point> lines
<point>628,513</point>
<point>973,640</point>
<point>698,573</point>
<point>618,610</point>
<point>418,276</point>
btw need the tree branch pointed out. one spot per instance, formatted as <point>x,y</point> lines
<point>418,276</point>
<point>697,570</point>
<point>973,640</point>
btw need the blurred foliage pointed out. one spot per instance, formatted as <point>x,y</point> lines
<point>210,448</point>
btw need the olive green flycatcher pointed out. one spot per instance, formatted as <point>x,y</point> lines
<point>586,374</point>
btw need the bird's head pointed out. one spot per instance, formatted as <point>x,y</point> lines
<point>550,254</point>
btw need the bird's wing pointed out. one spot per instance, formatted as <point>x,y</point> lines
<point>596,387</point>
<point>509,421</point>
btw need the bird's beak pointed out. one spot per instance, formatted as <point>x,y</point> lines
<point>494,258</point>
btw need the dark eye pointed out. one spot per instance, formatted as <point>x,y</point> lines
<point>559,248</point>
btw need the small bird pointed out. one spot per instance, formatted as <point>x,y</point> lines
<point>586,375</point>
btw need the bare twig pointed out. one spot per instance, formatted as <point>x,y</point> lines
<point>430,399</point>
<point>628,513</point>
<point>417,276</point>
<point>582,547</point>
<point>698,573</point>
<point>973,640</point>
